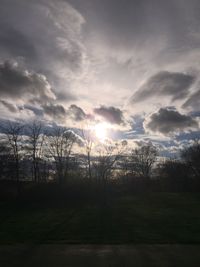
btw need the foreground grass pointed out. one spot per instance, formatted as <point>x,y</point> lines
<point>156,218</point>
<point>57,255</point>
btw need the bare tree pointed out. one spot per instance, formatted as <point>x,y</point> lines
<point>142,160</point>
<point>175,175</point>
<point>35,140</point>
<point>88,142</point>
<point>13,133</point>
<point>108,154</point>
<point>4,158</point>
<point>60,147</point>
<point>191,156</point>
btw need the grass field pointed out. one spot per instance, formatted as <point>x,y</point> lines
<point>100,256</point>
<point>154,218</point>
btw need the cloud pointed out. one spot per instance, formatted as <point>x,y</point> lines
<point>110,114</point>
<point>193,101</point>
<point>16,43</point>
<point>37,111</point>
<point>173,84</point>
<point>134,21</point>
<point>16,83</point>
<point>81,48</point>
<point>76,113</point>
<point>55,111</point>
<point>167,120</point>
<point>12,108</point>
<point>58,112</point>
<point>45,35</point>
<point>65,96</point>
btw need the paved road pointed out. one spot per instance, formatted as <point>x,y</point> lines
<point>99,256</point>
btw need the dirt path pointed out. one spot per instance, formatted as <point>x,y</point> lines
<point>99,256</point>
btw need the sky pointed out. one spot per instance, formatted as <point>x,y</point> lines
<point>131,65</point>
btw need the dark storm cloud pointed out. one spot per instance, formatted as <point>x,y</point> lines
<point>55,111</point>
<point>111,114</point>
<point>16,83</point>
<point>76,113</point>
<point>173,84</point>
<point>9,106</point>
<point>168,120</point>
<point>193,101</point>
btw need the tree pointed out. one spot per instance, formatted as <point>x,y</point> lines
<point>4,158</point>
<point>191,156</point>
<point>142,160</point>
<point>60,145</point>
<point>174,174</point>
<point>88,143</point>
<point>107,156</point>
<point>13,133</point>
<point>35,141</point>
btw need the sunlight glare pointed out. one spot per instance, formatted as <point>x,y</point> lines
<point>101,131</point>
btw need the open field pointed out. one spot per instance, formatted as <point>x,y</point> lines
<point>153,218</point>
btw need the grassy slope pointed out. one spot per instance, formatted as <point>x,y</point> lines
<point>149,218</point>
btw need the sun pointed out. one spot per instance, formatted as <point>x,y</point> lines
<point>101,131</point>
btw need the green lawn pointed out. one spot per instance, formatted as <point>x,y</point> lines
<point>156,218</point>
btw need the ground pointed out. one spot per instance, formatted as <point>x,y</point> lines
<point>156,218</point>
<point>100,256</point>
<point>151,229</point>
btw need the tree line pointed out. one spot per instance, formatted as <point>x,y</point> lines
<point>27,153</point>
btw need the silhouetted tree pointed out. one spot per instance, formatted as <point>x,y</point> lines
<point>88,143</point>
<point>191,156</point>
<point>60,147</point>
<point>4,158</point>
<point>107,155</point>
<point>175,175</point>
<point>142,160</point>
<point>13,133</point>
<point>35,140</point>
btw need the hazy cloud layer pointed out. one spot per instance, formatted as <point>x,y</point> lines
<point>168,121</point>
